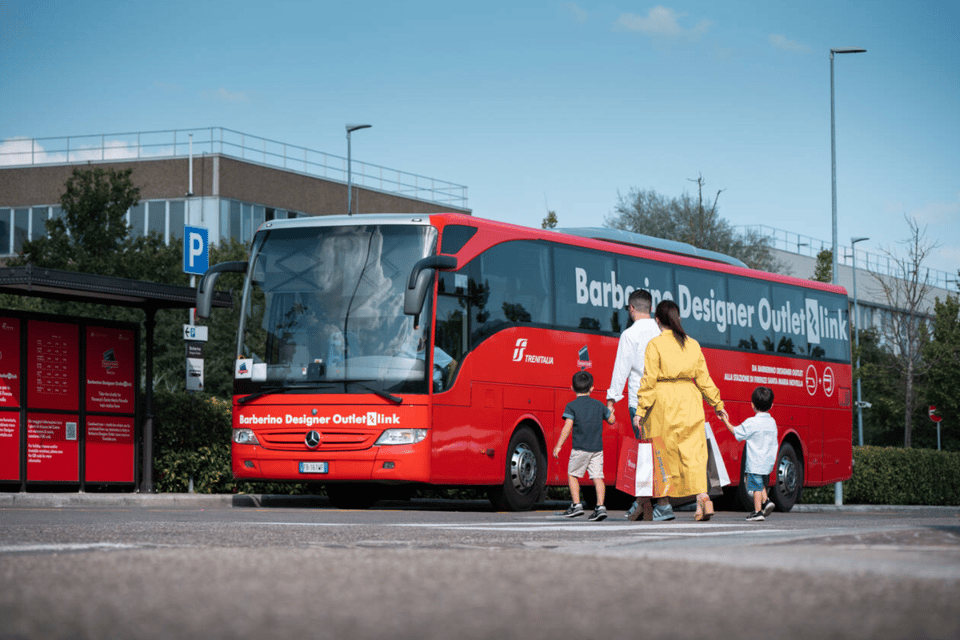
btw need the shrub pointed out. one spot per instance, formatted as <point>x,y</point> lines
<point>890,475</point>
<point>193,433</point>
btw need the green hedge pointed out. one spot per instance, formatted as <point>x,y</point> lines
<point>890,475</point>
<point>193,438</point>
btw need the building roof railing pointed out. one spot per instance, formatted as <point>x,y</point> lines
<point>106,147</point>
<point>875,263</point>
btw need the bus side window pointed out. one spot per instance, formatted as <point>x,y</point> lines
<point>451,333</point>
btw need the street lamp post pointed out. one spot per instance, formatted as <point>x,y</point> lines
<point>856,334</point>
<point>838,487</point>
<point>350,129</point>
<point>833,152</point>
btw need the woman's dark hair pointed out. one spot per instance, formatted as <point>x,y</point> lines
<point>668,315</point>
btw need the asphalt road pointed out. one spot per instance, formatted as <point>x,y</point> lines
<point>206,567</point>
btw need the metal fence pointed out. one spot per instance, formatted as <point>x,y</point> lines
<point>217,140</point>
<point>875,263</point>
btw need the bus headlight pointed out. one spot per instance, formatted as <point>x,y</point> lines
<point>245,436</point>
<point>401,436</point>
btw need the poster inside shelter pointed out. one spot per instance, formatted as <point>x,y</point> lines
<point>9,362</point>
<point>109,449</point>
<point>9,445</point>
<point>53,452</point>
<point>110,370</point>
<point>53,365</point>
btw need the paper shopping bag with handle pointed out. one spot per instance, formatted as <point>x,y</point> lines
<point>640,470</point>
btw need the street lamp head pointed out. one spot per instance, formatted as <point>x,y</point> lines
<point>854,241</point>
<point>847,50</point>
<point>353,127</point>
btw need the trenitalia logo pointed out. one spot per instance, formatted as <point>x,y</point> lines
<point>518,350</point>
<point>519,354</point>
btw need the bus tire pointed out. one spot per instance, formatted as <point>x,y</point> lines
<point>525,476</point>
<point>353,495</point>
<point>788,487</point>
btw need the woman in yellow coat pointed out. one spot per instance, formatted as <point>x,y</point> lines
<point>670,405</point>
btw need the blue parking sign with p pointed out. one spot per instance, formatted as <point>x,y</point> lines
<point>196,257</point>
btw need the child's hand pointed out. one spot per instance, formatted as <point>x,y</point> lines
<point>556,451</point>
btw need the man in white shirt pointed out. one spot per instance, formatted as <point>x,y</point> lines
<point>628,366</point>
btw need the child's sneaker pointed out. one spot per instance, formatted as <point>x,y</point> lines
<point>756,516</point>
<point>600,513</point>
<point>574,510</point>
<point>767,508</point>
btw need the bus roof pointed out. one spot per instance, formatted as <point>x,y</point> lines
<point>649,242</point>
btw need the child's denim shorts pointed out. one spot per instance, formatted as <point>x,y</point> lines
<point>756,482</point>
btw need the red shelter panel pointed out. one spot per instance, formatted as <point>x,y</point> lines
<point>9,362</point>
<point>109,449</point>
<point>52,365</point>
<point>110,370</point>
<point>9,445</point>
<point>53,452</point>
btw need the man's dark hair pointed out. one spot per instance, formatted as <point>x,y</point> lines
<point>641,300</point>
<point>582,381</point>
<point>762,398</point>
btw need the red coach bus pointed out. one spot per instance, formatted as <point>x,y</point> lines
<point>379,352</point>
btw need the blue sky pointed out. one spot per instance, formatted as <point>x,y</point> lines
<point>541,104</point>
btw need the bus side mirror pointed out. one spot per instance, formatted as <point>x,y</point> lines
<point>416,291</point>
<point>205,289</point>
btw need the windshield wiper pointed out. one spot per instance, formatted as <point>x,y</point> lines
<point>383,394</point>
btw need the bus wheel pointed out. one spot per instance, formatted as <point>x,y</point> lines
<point>353,495</point>
<point>789,485</point>
<point>525,474</point>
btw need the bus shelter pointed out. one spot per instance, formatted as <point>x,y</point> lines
<point>48,370</point>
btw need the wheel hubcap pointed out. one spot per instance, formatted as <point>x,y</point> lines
<point>787,476</point>
<point>523,468</point>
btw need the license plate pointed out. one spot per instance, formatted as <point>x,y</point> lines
<point>314,467</point>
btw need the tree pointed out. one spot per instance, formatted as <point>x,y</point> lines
<point>93,228</point>
<point>550,222</point>
<point>941,355</point>
<point>686,219</point>
<point>823,271</point>
<point>904,330</point>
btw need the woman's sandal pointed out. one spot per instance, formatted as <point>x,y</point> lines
<point>704,510</point>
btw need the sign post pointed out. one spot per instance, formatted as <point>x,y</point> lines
<point>936,417</point>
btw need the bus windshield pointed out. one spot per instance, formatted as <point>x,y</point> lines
<point>325,304</point>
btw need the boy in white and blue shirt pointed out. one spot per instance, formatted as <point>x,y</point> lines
<point>760,432</point>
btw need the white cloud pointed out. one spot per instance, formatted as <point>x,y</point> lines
<point>575,12</point>
<point>224,95</point>
<point>26,151</point>
<point>782,42</point>
<point>661,21</point>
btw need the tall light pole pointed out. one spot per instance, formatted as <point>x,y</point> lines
<point>856,334</point>
<point>833,152</point>
<point>353,127</point>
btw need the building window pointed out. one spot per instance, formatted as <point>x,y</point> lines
<point>21,228</point>
<point>177,216</point>
<point>38,222</point>
<point>137,221</point>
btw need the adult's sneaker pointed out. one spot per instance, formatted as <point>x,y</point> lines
<point>756,516</point>
<point>575,509</point>
<point>767,508</point>
<point>662,513</point>
<point>600,513</point>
